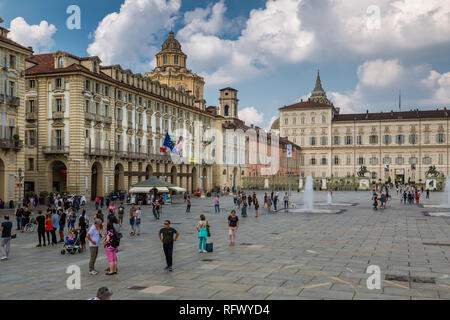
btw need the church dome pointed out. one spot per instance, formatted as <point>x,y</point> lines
<point>171,43</point>
<point>276,125</point>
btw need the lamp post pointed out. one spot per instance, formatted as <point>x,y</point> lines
<point>203,184</point>
<point>20,177</point>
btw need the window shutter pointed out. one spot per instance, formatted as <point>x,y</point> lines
<point>27,141</point>
<point>54,105</point>
<point>52,138</point>
<point>63,104</point>
<point>63,141</point>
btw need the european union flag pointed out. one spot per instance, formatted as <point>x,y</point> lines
<point>168,142</point>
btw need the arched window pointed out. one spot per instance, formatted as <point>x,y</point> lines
<point>227,111</point>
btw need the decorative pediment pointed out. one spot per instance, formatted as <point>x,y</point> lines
<point>58,124</point>
<point>130,131</point>
<point>98,126</point>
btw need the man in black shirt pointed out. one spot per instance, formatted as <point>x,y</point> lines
<point>19,217</point>
<point>5,240</point>
<point>62,223</point>
<point>26,217</point>
<point>168,240</point>
<point>40,220</point>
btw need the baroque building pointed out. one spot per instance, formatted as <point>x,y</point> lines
<point>171,69</point>
<point>93,129</point>
<point>396,146</point>
<point>12,104</point>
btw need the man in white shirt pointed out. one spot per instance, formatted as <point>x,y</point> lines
<point>93,236</point>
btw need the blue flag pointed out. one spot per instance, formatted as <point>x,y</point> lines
<point>168,142</point>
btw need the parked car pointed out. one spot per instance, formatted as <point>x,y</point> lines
<point>70,198</point>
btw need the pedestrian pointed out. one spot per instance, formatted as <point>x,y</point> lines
<point>216,204</point>
<point>269,204</point>
<point>265,200</point>
<point>375,202</point>
<point>110,215</point>
<point>5,241</point>
<point>250,199</point>
<point>202,229</point>
<point>233,225</point>
<point>244,206</point>
<point>97,203</point>
<point>132,218</point>
<point>111,248</point>
<point>256,204</point>
<point>405,195</point>
<point>167,239</point>
<point>188,206</point>
<point>107,202</point>
<point>40,221</point>
<point>55,221</point>
<point>286,201</point>
<point>62,223</point>
<point>19,217</point>
<point>102,202</point>
<point>417,197</point>
<point>49,227</point>
<point>428,194</point>
<point>275,201</point>
<point>103,294</point>
<point>72,218</point>
<point>382,199</point>
<point>185,196</point>
<point>25,217</point>
<point>82,226</point>
<point>121,211</point>
<point>137,222</point>
<point>94,238</point>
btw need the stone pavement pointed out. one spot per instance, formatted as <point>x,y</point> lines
<point>277,256</point>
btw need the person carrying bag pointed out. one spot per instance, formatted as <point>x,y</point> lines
<point>202,228</point>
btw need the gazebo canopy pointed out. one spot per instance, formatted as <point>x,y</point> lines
<point>154,183</point>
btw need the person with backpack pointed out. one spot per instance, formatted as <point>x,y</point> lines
<point>202,229</point>
<point>121,211</point>
<point>111,248</point>
<point>244,206</point>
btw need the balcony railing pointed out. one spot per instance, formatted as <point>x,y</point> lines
<point>102,152</point>
<point>11,100</point>
<point>58,115</point>
<point>49,150</point>
<point>89,116</point>
<point>108,120</point>
<point>119,124</point>
<point>31,116</point>
<point>149,128</point>
<point>99,118</point>
<point>130,125</point>
<point>11,144</point>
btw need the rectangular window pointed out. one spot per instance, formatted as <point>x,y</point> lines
<point>349,159</point>
<point>32,84</point>
<point>30,164</point>
<point>427,159</point>
<point>413,138</point>
<point>336,140</point>
<point>387,160</point>
<point>373,160</point>
<point>440,138</point>
<point>58,83</point>
<point>12,61</point>
<point>313,161</point>
<point>313,141</point>
<point>324,141</point>
<point>360,160</point>
<point>387,139</point>
<point>348,140</point>
<point>31,106</point>
<point>400,139</point>
<point>87,85</point>
<point>373,139</point>
<point>32,137</point>
<point>86,107</point>
<point>336,160</point>
<point>441,158</point>
<point>359,140</point>
<point>59,142</point>
<point>59,105</point>
<point>176,60</point>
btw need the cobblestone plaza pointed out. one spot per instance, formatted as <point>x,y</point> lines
<point>277,256</point>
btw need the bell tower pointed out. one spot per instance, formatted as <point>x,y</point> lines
<point>228,103</point>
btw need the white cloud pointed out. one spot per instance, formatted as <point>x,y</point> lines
<point>379,72</point>
<point>419,84</point>
<point>251,116</point>
<point>37,36</point>
<point>129,36</point>
<point>272,36</point>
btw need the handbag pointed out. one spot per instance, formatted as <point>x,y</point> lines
<point>209,247</point>
<point>207,229</point>
<point>138,220</point>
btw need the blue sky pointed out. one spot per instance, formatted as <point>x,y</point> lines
<point>269,50</point>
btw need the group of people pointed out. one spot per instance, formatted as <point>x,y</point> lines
<point>407,194</point>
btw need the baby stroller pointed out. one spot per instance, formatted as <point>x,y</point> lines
<point>72,246</point>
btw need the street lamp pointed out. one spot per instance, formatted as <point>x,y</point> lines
<point>20,176</point>
<point>203,185</point>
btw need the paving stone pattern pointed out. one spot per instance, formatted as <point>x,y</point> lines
<point>277,256</point>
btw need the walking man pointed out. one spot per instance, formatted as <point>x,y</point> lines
<point>286,201</point>
<point>5,241</point>
<point>216,204</point>
<point>132,218</point>
<point>168,240</point>
<point>188,206</point>
<point>94,238</point>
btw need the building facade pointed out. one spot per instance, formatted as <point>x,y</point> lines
<point>93,129</point>
<point>395,146</point>
<point>12,104</point>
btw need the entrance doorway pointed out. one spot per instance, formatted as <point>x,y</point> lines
<point>59,177</point>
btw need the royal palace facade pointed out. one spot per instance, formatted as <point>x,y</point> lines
<point>395,146</point>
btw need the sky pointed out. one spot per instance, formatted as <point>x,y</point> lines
<point>367,51</point>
